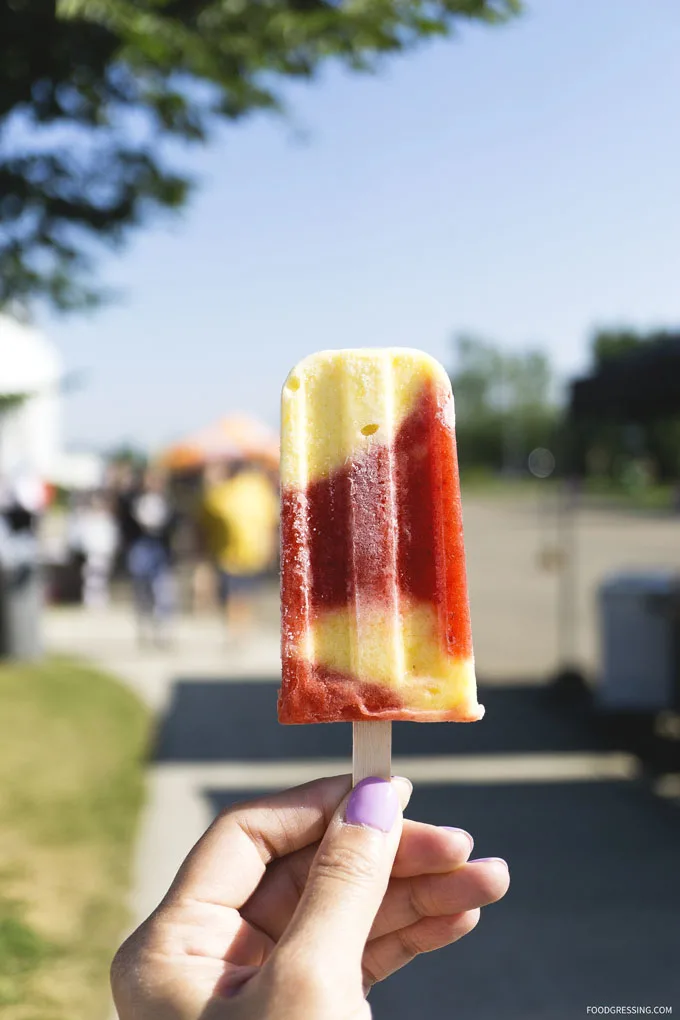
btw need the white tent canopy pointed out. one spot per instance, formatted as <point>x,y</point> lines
<point>30,433</point>
<point>28,362</point>
<point>77,470</point>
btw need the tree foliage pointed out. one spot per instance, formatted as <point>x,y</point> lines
<point>489,379</point>
<point>90,89</point>
<point>611,448</point>
<point>504,405</point>
<point>608,344</point>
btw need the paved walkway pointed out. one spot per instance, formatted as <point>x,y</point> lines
<point>592,915</point>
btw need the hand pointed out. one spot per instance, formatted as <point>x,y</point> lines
<point>294,905</point>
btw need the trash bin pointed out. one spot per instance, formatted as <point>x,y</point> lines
<point>21,590</point>
<point>640,626</point>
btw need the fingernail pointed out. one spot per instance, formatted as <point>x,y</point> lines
<point>463,832</point>
<point>489,860</point>
<point>404,788</point>
<point>373,802</point>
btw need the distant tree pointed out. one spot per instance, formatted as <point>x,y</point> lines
<point>530,381</point>
<point>477,377</point>
<point>8,401</point>
<point>504,405</point>
<point>608,344</point>
<point>607,448</point>
<point>90,89</point>
<point>128,454</point>
<point>489,379</point>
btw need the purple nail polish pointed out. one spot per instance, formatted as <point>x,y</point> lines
<point>453,828</point>
<point>373,802</point>
<point>489,860</point>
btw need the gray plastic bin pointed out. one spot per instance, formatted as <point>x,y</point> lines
<point>639,616</point>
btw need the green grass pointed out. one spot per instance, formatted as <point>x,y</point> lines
<point>647,497</point>
<point>594,491</point>
<point>479,482</point>
<point>72,744</point>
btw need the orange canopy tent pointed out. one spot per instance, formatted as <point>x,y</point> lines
<point>235,437</point>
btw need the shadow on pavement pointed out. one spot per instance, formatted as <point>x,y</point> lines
<point>591,917</point>
<point>210,721</point>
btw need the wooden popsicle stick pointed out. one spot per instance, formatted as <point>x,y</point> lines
<point>371,750</point>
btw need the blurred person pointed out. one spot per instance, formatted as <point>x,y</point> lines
<point>23,499</point>
<point>294,905</point>
<point>21,503</point>
<point>124,484</point>
<point>94,535</point>
<point>150,525</point>
<point>238,519</point>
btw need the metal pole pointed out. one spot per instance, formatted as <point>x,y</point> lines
<point>567,594</point>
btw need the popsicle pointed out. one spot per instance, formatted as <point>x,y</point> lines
<point>375,612</point>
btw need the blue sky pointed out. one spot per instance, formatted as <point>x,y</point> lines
<point>522,183</point>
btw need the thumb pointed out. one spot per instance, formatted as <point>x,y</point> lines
<point>349,875</point>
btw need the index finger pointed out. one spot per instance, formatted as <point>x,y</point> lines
<point>228,862</point>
